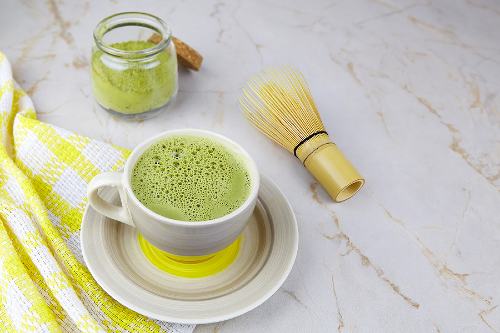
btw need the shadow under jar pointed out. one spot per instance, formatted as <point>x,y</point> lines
<point>133,76</point>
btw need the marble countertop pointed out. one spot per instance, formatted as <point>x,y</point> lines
<point>409,90</point>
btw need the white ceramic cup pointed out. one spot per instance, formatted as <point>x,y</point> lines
<point>174,236</point>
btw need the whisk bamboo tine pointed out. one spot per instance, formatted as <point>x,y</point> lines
<point>278,102</point>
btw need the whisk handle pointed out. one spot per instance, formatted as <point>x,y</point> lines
<point>334,172</point>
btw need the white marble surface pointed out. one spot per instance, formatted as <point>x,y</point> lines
<point>410,91</point>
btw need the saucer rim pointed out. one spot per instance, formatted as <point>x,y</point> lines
<point>230,314</point>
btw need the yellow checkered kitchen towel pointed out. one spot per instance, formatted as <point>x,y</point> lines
<point>44,283</point>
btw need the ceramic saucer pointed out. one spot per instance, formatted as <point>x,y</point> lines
<point>268,247</point>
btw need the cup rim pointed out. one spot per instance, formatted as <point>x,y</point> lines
<point>249,164</point>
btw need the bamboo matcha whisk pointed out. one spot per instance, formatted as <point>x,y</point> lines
<point>279,103</point>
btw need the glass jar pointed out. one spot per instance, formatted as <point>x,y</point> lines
<point>134,65</point>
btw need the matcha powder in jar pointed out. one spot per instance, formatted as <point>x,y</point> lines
<point>131,75</point>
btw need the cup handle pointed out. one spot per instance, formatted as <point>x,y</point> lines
<point>113,179</point>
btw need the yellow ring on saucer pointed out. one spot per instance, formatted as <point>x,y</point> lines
<point>190,266</point>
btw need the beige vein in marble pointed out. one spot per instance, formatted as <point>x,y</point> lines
<point>351,247</point>
<point>473,87</point>
<point>340,318</point>
<point>486,8</point>
<point>349,67</point>
<point>441,268</point>
<point>44,57</point>
<point>395,11</point>
<point>216,12</point>
<point>218,327</point>
<point>31,90</point>
<point>60,22</point>
<point>484,313</point>
<point>385,4</point>
<point>219,110</point>
<point>256,45</point>
<point>381,115</point>
<point>459,223</point>
<point>350,70</point>
<point>80,62</point>
<point>28,44</point>
<point>476,94</point>
<point>455,144</point>
<point>378,270</point>
<point>53,110</point>
<point>431,27</point>
<point>450,37</point>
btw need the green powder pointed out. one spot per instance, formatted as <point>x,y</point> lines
<point>133,85</point>
<point>190,178</point>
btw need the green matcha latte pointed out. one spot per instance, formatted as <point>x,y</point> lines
<point>190,178</point>
<point>133,84</point>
